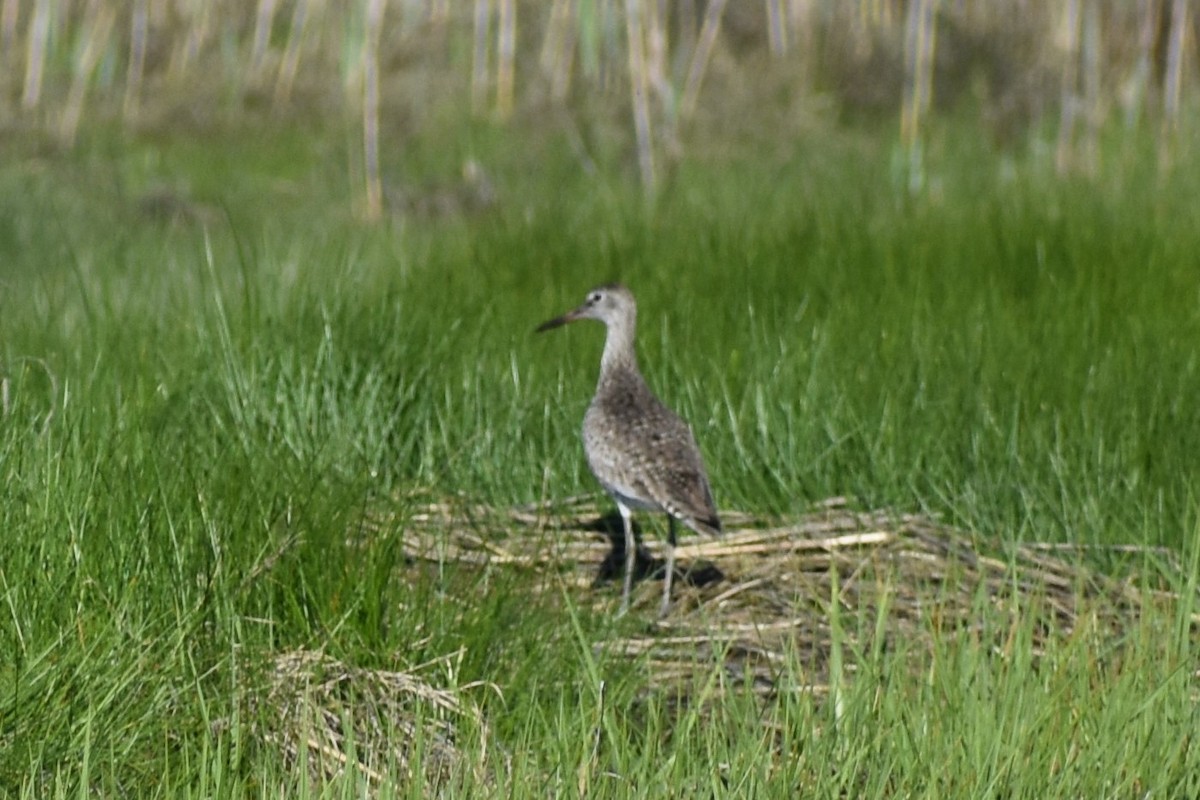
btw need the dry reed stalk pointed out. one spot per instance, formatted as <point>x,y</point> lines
<point>482,20</point>
<point>199,14</point>
<point>864,15</point>
<point>557,22</point>
<point>656,74</point>
<point>260,40</point>
<point>610,72</point>
<point>1133,95</point>
<point>506,48</point>
<point>687,32</point>
<point>439,11</point>
<point>373,31</point>
<point>920,39</point>
<point>1173,81</point>
<point>98,24</point>
<point>290,63</point>
<point>1093,102</point>
<point>561,71</point>
<point>555,41</point>
<point>9,13</point>
<point>35,57</point>
<point>638,81</point>
<point>871,16</point>
<point>139,30</point>
<point>587,38</point>
<point>802,22</point>
<point>700,58</point>
<point>798,13</point>
<point>777,38</point>
<point>1068,102</point>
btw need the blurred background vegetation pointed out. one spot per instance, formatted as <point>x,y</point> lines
<point>628,87</point>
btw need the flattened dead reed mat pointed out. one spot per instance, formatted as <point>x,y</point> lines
<point>820,591</point>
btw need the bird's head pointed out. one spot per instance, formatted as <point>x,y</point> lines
<point>609,304</point>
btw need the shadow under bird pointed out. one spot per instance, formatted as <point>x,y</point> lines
<point>640,451</point>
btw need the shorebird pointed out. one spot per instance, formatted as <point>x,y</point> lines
<point>640,451</point>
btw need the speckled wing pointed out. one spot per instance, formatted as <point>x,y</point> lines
<point>643,453</point>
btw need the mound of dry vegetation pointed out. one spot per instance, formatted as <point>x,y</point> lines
<point>835,579</point>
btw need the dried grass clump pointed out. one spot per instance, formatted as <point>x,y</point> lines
<point>389,726</point>
<point>769,594</point>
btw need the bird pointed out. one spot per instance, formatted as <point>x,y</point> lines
<point>641,452</point>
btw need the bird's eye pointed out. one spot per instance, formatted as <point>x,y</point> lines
<point>594,298</point>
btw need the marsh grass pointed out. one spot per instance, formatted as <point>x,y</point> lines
<point>201,415</point>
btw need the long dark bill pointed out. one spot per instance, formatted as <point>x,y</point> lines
<point>558,322</point>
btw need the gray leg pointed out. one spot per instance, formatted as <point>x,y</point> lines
<point>630,558</point>
<point>666,598</point>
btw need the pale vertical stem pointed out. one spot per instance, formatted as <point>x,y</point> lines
<point>479,60</point>
<point>98,25</point>
<point>35,59</point>
<point>1092,101</point>
<point>1139,81</point>
<point>608,69</point>
<point>656,71</point>
<point>656,40</point>
<point>860,33</point>
<point>8,25</point>
<point>290,63</point>
<point>555,31</point>
<point>794,12</point>
<point>587,37</point>
<point>797,12</point>
<point>919,44</point>
<point>908,102</point>
<point>1070,79</point>
<point>201,18</point>
<point>776,32</point>
<point>561,62</point>
<point>564,59</point>
<point>506,48</point>
<point>662,21</point>
<point>687,30</point>
<point>703,51</point>
<point>264,18</point>
<point>927,44</point>
<point>863,19</point>
<point>885,14</point>
<point>372,32</point>
<point>641,104</point>
<point>139,25</point>
<point>802,22</point>
<point>1173,80</point>
<point>1173,76</point>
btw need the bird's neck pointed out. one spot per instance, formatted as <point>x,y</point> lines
<point>619,353</point>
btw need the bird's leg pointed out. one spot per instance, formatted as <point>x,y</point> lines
<point>666,598</point>
<point>630,558</point>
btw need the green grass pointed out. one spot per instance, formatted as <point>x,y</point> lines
<point>200,417</point>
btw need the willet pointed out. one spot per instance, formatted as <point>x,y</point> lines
<point>642,453</point>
